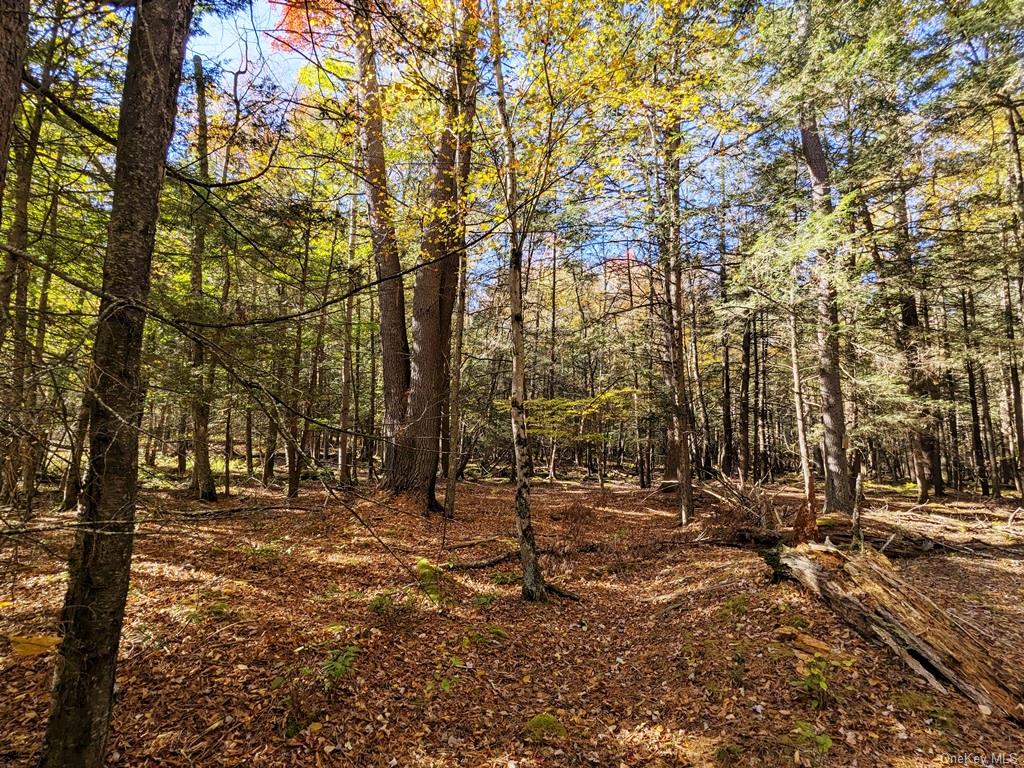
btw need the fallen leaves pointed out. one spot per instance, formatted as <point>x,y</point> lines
<point>240,680</point>
<point>31,645</point>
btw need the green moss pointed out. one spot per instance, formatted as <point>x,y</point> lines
<point>736,605</point>
<point>543,726</point>
<point>430,579</point>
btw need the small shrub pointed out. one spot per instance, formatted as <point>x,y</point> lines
<point>269,551</point>
<point>382,604</point>
<point>491,635</point>
<point>814,680</point>
<point>209,610</point>
<point>338,664</point>
<point>924,704</point>
<point>728,754</point>
<point>445,676</point>
<point>808,736</point>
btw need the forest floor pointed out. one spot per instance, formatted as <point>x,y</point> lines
<point>261,633</point>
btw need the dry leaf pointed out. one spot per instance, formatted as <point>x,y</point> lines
<point>30,645</point>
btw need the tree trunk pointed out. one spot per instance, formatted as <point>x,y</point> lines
<point>839,497</point>
<point>977,445</point>
<point>865,591</point>
<point>73,474</point>
<point>390,288</point>
<point>270,454</point>
<point>533,581</point>
<point>100,560</point>
<point>202,474</point>
<point>344,473</point>
<point>805,526</point>
<point>416,453</point>
<point>728,452</point>
<point>1016,404</point>
<point>14,16</point>
<point>181,444</point>
<point>744,406</point>
<point>250,469</point>
<point>455,405</point>
<point>16,274</point>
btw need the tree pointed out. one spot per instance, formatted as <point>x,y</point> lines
<point>100,561</point>
<point>533,580</point>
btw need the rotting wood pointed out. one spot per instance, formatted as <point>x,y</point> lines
<point>948,651</point>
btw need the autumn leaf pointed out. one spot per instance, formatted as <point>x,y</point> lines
<point>31,645</point>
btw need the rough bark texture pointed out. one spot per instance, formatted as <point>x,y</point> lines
<point>101,556</point>
<point>838,493</point>
<point>344,459</point>
<point>202,474</point>
<point>533,581</point>
<point>415,379</point>
<point>466,78</point>
<point>390,290</point>
<point>947,651</point>
<point>14,16</point>
<point>416,452</point>
<point>17,427</point>
<point>805,525</point>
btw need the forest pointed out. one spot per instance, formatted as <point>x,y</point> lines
<point>511,383</point>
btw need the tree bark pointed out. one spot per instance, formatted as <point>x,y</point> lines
<point>805,526</point>
<point>977,445</point>
<point>839,496</point>
<point>744,406</point>
<point>14,18</point>
<point>344,463</point>
<point>838,491</point>
<point>728,451</point>
<point>73,474</point>
<point>533,581</point>
<point>202,474</point>
<point>100,561</point>
<point>390,289</point>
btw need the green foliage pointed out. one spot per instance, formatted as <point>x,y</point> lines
<point>815,679</point>
<point>562,417</point>
<point>446,675</point>
<point>489,635</point>
<point>796,621</point>
<point>737,605</point>
<point>543,727</point>
<point>808,736</point>
<point>338,664</point>
<point>484,599</point>
<point>210,605</point>
<point>505,578</point>
<point>925,704</point>
<point>429,579</point>
<point>728,754</point>
<point>382,603</point>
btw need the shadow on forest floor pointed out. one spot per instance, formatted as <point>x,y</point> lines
<point>260,633</point>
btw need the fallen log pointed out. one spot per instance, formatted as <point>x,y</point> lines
<point>863,589</point>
